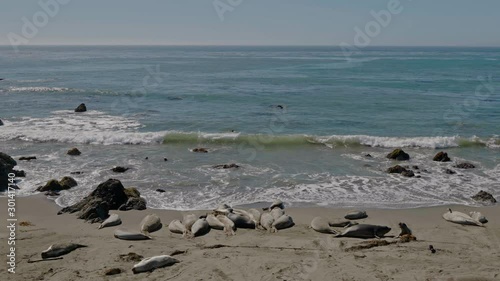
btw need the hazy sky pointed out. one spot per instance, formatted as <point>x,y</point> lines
<point>254,22</point>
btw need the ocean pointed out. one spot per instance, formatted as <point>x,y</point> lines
<point>298,120</point>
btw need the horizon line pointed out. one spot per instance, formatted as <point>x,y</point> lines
<point>245,45</point>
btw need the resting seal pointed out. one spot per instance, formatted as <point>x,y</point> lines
<point>151,223</point>
<point>127,235</point>
<point>150,264</point>
<point>460,218</point>
<point>341,223</point>
<point>321,225</point>
<point>356,215</point>
<point>60,249</point>
<point>285,221</point>
<point>241,221</point>
<point>200,227</point>
<point>277,213</point>
<point>266,221</point>
<point>214,222</point>
<point>112,220</point>
<point>176,226</point>
<point>188,221</point>
<point>478,216</point>
<point>229,226</point>
<point>365,231</point>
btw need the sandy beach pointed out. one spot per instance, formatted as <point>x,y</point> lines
<point>298,253</point>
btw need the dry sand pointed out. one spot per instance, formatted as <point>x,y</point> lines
<point>299,253</point>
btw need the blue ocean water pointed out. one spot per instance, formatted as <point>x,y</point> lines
<point>299,120</point>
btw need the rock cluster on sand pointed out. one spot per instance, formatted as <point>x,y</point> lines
<point>6,165</point>
<point>81,108</point>
<point>441,157</point>
<point>483,196</point>
<point>134,202</point>
<point>109,195</point>
<point>55,185</point>
<point>398,154</point>
<point>74,152</point>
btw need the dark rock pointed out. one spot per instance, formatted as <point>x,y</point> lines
<point>74,152</point>
<point>132,192</point>
<point>1,123</point>
<point>109,195</point>
<point>165,159</point>
<point>449,172</point>
<point>52,185</point>
<point>200,150</point>
<point>368,156</point>
<point>465,166</point>
<point>441,157</point>
<point>418,176</point>
<point>28,158</point>
<point>398,154</point>
<point>396,170</point>
<point>146,158</point>
<point>112,271</point>
<point>19,173</point>
<point>160,190</point>
<point>483,196</point>
<point>68,182</point>
<point>1,79</point>
<point>226,166</point>
<point>278,106</point>
<point>7,163</point>
<point>51,193</point>
<point>415,167</point>
<point>134,203</point>
<point>76,173</point>
<point>81,108</point>
<point>131,257</point>
<point>120,169</point>
<point>408,173</point>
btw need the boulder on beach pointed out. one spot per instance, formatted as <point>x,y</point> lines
<point>109,195</point>
<point>134,203</point>
<point>132,192</point>
<point>408,173</point>
<point>226,166</point>
<point>68,182</point>
<point>465,165</point>
<point>7,163</point>
<point>55,185</point>
<point>396,169</point>
<point>441,157</point>
<point>485,197</point>
<point>74,152</point>
<point>398,154</point>
<point>81,108</point>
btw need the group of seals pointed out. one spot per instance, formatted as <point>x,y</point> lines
<point>274,217</point>
<point>149,224</point>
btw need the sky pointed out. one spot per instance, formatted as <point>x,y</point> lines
<point>251,22</point>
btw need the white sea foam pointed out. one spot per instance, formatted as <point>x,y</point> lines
<point>40,89</point>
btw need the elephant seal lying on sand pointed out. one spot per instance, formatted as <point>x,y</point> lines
<point>60,249</point>
<point>460,218</point>
<point>321,225</point>
<point>150,264</point>
<point>365,231</point>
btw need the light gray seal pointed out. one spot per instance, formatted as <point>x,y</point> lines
<point>364,231</point>
<point>266,221</point>
<point>320,225</point>
<point>128,235</point>
<point>229,226</point>
<point>341,223</point>
<point>214,222</point>
<point>176,226</point>
<point>277,213</point>
<point>275,204</point>
<point>150,264</point>
<point>460,218</point>
<point>189,220</point>
<point>151,223</point>
<point>60,249</point>
<point>200,227</point>
<point>285,221</point>
<point>478,216</point>
<point>112,220</point>
<point>356,215</point>
<point>241,221</point>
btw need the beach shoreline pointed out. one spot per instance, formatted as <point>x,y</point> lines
<point>462,251</point>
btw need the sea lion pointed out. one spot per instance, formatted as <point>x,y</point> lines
<point>151,223</point>
<point>266,221</point>
<point>60,249</point>
<point>460,218</point>
<point>405,230</point>
<point>364,231</point>
<point>214,222</point>
<point>188,221</point>
<point>150,264</point>
<point>200,227</point>
<point>277,213</point>
<point>285,221</point>
<point>112,220</point>
<point>341,223</point>
<point>229,226</point>
<point>128,235</point>
<point>176,226</point>
<point>241,221</point>
<point>356,215</point>
<point>321,225</point>
<point>478,216</point>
